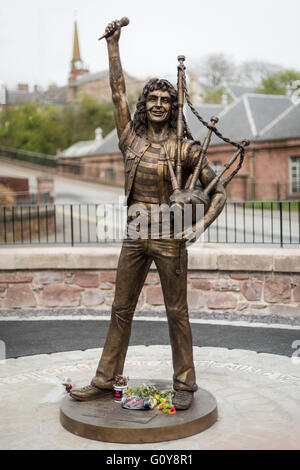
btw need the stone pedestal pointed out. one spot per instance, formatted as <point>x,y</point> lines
<point>105,420</point>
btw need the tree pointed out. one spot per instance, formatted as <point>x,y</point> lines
<point>214,96</point>
<point>215,70</point>
<point>251,72</point>
<point>47,128</point>
<point>34,127</point>
<point>278,83</point>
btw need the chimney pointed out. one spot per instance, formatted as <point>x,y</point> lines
<point>98,134</point>
<point>3,93</point>
<point>224,99</point>
<point>23,87</point>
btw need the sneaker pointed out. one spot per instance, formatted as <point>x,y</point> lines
<point>89,392</point>
<point>183,399</point>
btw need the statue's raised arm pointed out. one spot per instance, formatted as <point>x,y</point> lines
<point>116,77</point>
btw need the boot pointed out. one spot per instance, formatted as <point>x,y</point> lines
<point>183,399</point>
<point>89,392</point>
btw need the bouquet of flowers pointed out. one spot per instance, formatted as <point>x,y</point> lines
<point>162,398</point>
<point>121,380</point>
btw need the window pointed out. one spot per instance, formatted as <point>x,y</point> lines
<point>216,166</point>
<point>295,175</point>
<point>110,174</point>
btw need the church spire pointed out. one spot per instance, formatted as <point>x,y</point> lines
<point>76,51</point>
<point>77,67</point>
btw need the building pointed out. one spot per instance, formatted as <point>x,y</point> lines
<point>22,94</point>
<point>97,85</point>
<point>271,170</point>
<point>94,160</point>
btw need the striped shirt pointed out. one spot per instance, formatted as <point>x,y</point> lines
<point>145,186</point>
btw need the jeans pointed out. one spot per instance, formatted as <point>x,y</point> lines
<point>170,258</point>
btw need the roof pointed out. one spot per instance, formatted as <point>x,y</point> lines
<point>92,77</point>
<point>233,123</point>
<point>236,91</point>
<point>54,95</point>
<point>17,97</point>
<point>82,148</point>
<point>206,111</point>
<point>265,108</point>
<point>109,145</point>
<point>286,125</point>
<point>89,77</point>
<point>247,116</point>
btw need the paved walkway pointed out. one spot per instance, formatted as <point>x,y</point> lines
<point>258,398</point>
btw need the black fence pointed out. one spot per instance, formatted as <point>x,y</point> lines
<point>243,223</point>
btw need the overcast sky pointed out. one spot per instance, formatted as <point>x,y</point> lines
<point>36,36</point>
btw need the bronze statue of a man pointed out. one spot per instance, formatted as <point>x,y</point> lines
<point>144,142</point>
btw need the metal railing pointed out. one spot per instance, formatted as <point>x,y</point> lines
<point>244,223</point>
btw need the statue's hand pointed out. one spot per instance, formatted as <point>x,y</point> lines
<point>192,234</point>
<point>113,30</point>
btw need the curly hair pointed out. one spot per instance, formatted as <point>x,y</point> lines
<point>139,122</point>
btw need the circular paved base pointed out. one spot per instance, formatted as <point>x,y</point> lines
<point>105,420</point>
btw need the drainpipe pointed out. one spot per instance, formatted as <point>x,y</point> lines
<point>252,174</point>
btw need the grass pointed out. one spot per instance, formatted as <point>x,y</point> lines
<point>286,205</point>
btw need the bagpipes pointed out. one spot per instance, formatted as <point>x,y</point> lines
<point>190,195</point>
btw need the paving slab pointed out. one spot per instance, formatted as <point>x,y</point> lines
<point>258,398</point>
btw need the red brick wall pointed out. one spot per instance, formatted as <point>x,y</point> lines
<point>96,168</point>
<point>271,169</point>
<point>18,185</point>
<point>99,167</point>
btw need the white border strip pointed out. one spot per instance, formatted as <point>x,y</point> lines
<point>245,323</point>
<point>250,116</point>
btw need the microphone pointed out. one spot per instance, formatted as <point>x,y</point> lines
<point>123,22</point>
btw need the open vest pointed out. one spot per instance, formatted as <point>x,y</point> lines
<point>133,148</point>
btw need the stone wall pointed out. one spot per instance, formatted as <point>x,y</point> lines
<point>256,283</point>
